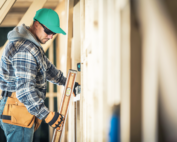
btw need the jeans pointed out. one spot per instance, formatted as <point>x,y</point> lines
<point>15,133</point>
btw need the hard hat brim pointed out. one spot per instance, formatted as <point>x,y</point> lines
<point>57,30</point>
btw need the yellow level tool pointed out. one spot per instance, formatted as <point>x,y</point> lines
<point>64,106</point>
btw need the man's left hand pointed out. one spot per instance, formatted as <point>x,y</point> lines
<point>76,87</point>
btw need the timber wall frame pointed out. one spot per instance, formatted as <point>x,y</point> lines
<point>129,59</point>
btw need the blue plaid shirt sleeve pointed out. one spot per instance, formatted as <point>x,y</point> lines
<point>53,74</point>
<point>25,67</point>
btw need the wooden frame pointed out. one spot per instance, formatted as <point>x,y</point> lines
<point>4,8</point>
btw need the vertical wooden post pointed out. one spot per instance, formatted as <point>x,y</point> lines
<point>160,71</point>
<point>125,73</point>
<point>70,4</point>
<point>76,58</point>
<point>51,97</point>
<point>82,97</point>
<point>61,49</point>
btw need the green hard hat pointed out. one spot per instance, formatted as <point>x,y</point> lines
<point>50,19</point>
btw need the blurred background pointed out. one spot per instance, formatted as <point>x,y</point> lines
<point>128,55</point>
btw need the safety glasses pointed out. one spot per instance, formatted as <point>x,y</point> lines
<point>46,30</point>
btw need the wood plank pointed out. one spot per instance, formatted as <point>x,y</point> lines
<point>62,51</point>
<point>75,58</point>
<point>2,2</point>
<point>26,4</point>
<point>5,7</point>
<point>51,87</point>
<point>89,57</point>
<point>78,126</point>
<point>76,42</point>
<point>96,54</point>
<point>82,97</point>
<point>22,4</point>
<point>61,48</point>
<point>28,17</point>
<point>12,19</point>
<point>71,129</point>
<point>53,94</point>
<point>34,0</point>
<point>113,54</point>
<point>150,79</point>
<point>125,73</point>
<point>69,31</point>
<point>160,72</point>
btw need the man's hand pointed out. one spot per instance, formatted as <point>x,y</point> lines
<point>76,86</point>
<point>55,120</point>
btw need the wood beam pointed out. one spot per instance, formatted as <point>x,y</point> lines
<point>76,45</point>
<point>26,4</point>
<point>82,97</point>
<point>76,58</point>
<point>12,19</point>
<point>51,87</point>
<point>34,0</point>
<point>2,3</point>
<point>160,72</point>
<point>125,73</point>
<point>22,4</point>
<point>4,8</point>
<point>69,31</point>
<point>61,47</point>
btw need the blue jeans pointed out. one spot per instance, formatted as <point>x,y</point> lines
<point>15,133</point>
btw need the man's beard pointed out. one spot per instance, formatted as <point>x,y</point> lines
<point>41,41</point>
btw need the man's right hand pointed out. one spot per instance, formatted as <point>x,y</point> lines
<point>55,120</point>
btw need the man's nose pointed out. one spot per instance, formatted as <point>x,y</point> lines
<point>50,36</point>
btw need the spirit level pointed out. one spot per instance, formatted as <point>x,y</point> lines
<point>64,106</point>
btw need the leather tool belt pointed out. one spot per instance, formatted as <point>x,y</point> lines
<point>16,113</point>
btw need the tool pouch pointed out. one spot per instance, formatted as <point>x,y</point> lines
<point>18,113</point>
<point>37,123</point>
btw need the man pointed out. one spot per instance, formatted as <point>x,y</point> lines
<point>24,69</point>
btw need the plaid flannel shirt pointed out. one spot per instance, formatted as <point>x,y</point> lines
<point>24,68</point>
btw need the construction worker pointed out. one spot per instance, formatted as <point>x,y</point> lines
<point>24,69</point>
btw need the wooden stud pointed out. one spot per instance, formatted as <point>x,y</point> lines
<point>82,97</point>
<point>61,52</point>
<point>12,19</point>
<point>69,31</point>
<point>160,72</point>
<point>51,87</point>
<point>76,47</point>
<point>125,73</point>
<point>69,128</point>
<point>5,6</point>
<point>76,58</point>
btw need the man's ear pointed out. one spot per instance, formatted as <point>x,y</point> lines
<point>36,24</point>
